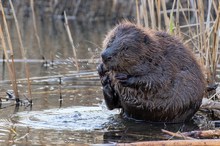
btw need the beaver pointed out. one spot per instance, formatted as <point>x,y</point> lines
<point>150,74</point>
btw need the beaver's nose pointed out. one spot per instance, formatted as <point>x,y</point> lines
<point>105,56</point>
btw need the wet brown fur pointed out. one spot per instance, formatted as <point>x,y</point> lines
<point>151,75</point>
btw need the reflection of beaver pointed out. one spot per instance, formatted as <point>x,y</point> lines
<point>150,75</point>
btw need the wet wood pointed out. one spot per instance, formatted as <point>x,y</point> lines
<point>201,142</point>
<point>178,134</point>
<point>203,134</point>
<point>210,104</point>
<point>195,134</point>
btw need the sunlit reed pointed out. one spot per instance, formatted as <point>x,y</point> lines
<point>12,66</point>
<point>23,52</point>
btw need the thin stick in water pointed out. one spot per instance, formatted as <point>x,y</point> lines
<point>23,53</point>
<point>14,80</point>
<point>35,29</point>
<point>11,76</point>
<point>71,41</point>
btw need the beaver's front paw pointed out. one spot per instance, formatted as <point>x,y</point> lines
<point>105,80</point>
<point>101,69</point>
<point>111,98</point>
<point>124,80</point>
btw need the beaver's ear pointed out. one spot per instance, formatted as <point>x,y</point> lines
<point>146,39</point>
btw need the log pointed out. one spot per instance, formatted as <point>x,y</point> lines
<point>201,142</point>
<point>203,134</point>
<point>195,134</point>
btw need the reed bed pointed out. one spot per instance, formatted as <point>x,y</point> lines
<point>192,22</point>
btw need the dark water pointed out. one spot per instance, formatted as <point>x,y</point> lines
<point>67,106</point>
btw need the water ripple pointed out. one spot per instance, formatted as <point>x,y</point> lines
<point>74,118</point>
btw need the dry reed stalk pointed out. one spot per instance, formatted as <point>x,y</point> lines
<point>166,19</point>
<point>208,15</point>
<point>214,47</point>
<point>201,31</point>
<point>202,40</point>
<point>152,13</point>
<point>145,13</point>
<point>178,18</point>
<point>194,25</point>
<point>35,29</point>
<point>11,76</point>
<point>158,6</point>
<point>175,10</point>
<point>207,50</point>
<point>186,20</point>
<point>137,11</point>
<point>23,53</point>
<point>188,7</point>
<point>171,24</point>
<point>215,7</point>
<point>193,3</point>
<point>71,41</point>
<point>14,80</point>
<point>188,25</point>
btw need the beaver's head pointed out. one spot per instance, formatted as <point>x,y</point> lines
<point>124,46</point>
